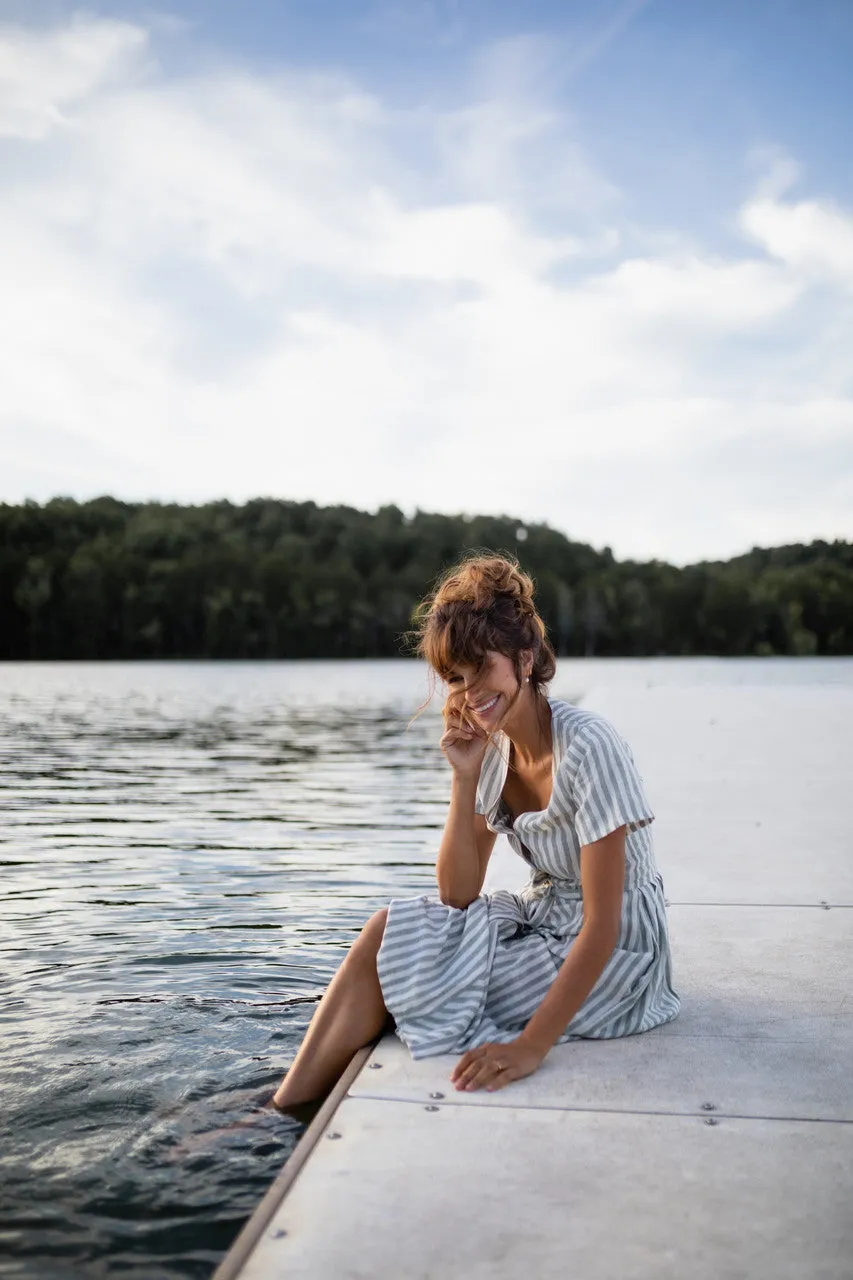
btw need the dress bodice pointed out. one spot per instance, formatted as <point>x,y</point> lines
<point>596,789</point>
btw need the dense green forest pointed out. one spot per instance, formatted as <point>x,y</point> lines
<point>271,579</point>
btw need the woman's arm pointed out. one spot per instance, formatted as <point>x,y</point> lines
<point>602,884</point>
<point>465,847</point>
<point>467,842</point>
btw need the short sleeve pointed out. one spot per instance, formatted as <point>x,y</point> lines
<point>490,785</point>
<point>607,789</point>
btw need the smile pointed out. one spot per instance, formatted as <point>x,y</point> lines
<point>486,706</point>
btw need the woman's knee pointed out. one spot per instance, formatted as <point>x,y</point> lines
<point>368,942</point>
<point>374,930</point>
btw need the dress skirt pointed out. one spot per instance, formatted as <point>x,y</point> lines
<point>453,980</point>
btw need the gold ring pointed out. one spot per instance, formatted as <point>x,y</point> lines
<point>501,1066</point>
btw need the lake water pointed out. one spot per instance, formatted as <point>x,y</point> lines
<point>187,850</point>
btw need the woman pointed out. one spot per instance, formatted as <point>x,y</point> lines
<point>583,949</point>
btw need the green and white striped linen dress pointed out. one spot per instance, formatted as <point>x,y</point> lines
<point>456,979</point>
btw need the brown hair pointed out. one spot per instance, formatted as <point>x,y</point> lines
<point>484,603</point>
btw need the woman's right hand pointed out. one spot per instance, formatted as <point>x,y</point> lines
<point>463,743</point>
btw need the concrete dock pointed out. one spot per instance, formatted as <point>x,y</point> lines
<point>717,1146</point>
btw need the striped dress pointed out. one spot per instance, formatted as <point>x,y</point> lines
<point>455,979</point>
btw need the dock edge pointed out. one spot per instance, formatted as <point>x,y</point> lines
<point>244,1243</point>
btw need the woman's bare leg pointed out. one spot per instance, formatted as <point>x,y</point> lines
<point>350,1015</point>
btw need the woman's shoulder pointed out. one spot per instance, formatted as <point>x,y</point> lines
<point>597,771</point>
<point>575,728</point>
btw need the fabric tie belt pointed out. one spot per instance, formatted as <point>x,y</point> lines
<point>564,888</point>
<point>542,881</point>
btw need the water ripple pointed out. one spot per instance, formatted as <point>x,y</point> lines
<point>183,868</point>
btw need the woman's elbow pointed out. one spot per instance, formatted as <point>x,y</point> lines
<point>604,935</point>
<point>457,900</point>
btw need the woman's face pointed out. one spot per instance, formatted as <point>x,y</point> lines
<point>484,695</point>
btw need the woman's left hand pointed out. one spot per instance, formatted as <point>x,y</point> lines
<point>494,1065</point>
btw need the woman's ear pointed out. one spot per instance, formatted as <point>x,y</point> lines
<point>525,657</point>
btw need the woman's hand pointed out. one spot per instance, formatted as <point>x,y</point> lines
<point>494,1065</point>
<point>463,744</point>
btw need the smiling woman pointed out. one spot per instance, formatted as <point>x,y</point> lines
<point>499,978</point>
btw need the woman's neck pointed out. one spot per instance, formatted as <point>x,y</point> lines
<point>529,730</point>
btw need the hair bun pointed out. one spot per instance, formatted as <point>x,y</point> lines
<point>482,580</point>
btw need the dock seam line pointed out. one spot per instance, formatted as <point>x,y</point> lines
<point>614,1111</point>
<point>792,906</point>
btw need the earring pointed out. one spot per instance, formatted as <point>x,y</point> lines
<point>527,679</point>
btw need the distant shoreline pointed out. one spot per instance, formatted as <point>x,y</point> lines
<point>285,581</point>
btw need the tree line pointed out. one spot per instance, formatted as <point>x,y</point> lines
<point>274,579</point>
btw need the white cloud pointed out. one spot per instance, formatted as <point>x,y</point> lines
<point>231,283</point>
<point>813,238</point>
<point>44,75</point>
<point>465,243</point>
<point>776,172</point>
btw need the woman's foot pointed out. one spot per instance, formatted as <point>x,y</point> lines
<point>303,1112</point>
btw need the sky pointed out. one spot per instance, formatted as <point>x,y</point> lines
<point>588,263</point>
